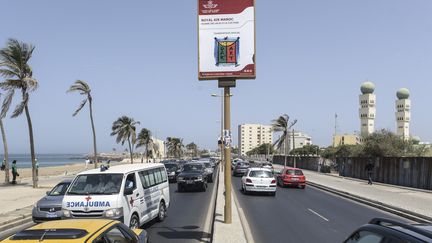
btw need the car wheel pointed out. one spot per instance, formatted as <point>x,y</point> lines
<point>162,212</point>
<point>179,188</point>
<point>245,191</point>
<point>303,187</point>
<point>134,222</point>
<point>273,194</point>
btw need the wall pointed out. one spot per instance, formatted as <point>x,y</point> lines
<point>410,172</point>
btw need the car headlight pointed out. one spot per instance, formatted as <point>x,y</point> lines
<point>180,178</point>
<point>66,213</point>
<point>114,212</point>
<point>199,178</point>
<point>172,173</point>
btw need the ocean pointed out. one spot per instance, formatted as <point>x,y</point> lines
<point>45,160</point>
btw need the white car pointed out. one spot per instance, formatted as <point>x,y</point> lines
<point>259,180</point>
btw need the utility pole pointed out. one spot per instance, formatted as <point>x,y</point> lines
<point>293,137</point>
<point>226,84</point>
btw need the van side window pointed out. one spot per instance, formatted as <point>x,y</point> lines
<point>151,178</point>
<point>158,175</point>
<point>164,175</point>
<point>131,178</point>
<point>144,177</point>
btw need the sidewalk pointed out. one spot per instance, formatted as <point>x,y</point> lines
<point>236,232</point>
<point>402,198</point>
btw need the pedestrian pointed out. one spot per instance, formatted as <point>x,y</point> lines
<point>369,169</point>
<point>14,172</point>
<point>3,166</point>
<point>87,162</point>
<point>37,167</point>
<point>108,163</point>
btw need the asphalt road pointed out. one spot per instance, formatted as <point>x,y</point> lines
<point>308,215</point>
<point>186,217</point>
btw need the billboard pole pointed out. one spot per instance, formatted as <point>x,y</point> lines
<point>226,84</point>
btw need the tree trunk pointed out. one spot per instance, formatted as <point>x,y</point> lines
<point>130,150</point>
<point>32,150</point>
<point>94,133</point>
<point>147,153</point>
<point>285,155</point>
<point>6,154</point>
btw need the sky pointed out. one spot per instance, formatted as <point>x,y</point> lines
<point>140,59</point>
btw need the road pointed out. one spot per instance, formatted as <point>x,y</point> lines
<point>308,215</point>
<point>186,217</point>
<point>184,223</point>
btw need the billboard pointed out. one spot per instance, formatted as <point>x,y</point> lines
<point>226,39</point>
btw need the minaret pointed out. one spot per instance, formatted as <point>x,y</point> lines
<point>367,108</point>
<point>403,113</point>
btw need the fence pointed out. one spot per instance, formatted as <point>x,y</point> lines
<point>405,171</point>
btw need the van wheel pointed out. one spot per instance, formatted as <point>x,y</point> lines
<point>162,212</point>
<point>134,222</point>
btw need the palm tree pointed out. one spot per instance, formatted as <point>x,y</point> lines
<point>6,154</point>
<point>156,151</point>
<point>175,146</point>
<point>282,124</point>
<point>14,67</point>
<point>192,149</point>
<point>125,129</point>
<point>84,89</point>
<point>144,140</point>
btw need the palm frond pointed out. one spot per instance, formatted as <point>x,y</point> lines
<point>83,102</point>
<point>20,107</point>
<point>7,102</point>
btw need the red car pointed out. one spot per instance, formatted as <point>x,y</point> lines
<point>291,177</point>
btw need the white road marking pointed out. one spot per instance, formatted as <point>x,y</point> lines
<point>319,215</point>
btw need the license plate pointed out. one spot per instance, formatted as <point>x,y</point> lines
<point>261,186</point>
<point>189,182</point>
<point>51,215</point>
<point>295,179</point>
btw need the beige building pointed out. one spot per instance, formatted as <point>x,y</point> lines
<point>345,139</point>
<point>367,108</point>
<point>251,136</point>
<point>403,113</point>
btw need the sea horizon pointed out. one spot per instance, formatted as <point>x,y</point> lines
<point>46,159</point>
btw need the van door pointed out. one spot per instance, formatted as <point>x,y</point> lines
<point>146,205</point>
<point>130,201</point>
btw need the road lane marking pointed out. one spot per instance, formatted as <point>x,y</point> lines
<point>319,215</point>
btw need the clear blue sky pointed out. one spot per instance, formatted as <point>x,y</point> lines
<point>140,58</point>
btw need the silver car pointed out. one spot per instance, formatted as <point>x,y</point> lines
<point>50,206</point>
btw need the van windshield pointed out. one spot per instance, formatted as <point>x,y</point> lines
<point>102,184</point>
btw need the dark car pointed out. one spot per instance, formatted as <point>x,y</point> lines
<point>240,168</point>
<point>50,206</point>
<point>173,169</point>
<point>386,230</point>
<point>192,176</point>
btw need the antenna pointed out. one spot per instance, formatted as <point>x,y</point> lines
<point>335,125</point>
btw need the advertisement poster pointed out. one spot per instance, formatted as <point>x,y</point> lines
<point>226,39</point>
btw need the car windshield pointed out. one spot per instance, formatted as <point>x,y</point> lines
<point>261,174</point>
<point>103,184</point>
<point>294,172</point>
<point>243,164</point>
<point>170,166</point>
<point>59,190</point>
<point>208,165</point>
<point>192,167</point>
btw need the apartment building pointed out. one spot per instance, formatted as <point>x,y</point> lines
<point>251,136</point>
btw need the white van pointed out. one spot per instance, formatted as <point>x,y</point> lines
<point>131,193</point>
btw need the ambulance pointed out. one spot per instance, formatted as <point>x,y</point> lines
<point>131,193</point>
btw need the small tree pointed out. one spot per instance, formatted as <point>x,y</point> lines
<point>145,140</point>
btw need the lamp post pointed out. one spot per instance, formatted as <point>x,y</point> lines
<point>221,121</point>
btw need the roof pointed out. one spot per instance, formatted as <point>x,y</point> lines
<point>259,168</point>
<point>124,168</point>
<point>90,225</point>
<point>81,229</point>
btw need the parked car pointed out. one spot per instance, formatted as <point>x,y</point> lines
<point>50,206</point>
<point>192,176</point>
<point>240,168</point>
<point>291,177</point>
<point>80,230</point>
<point>173,169</point>
<point>386,230</point>
<point>259,180</point>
